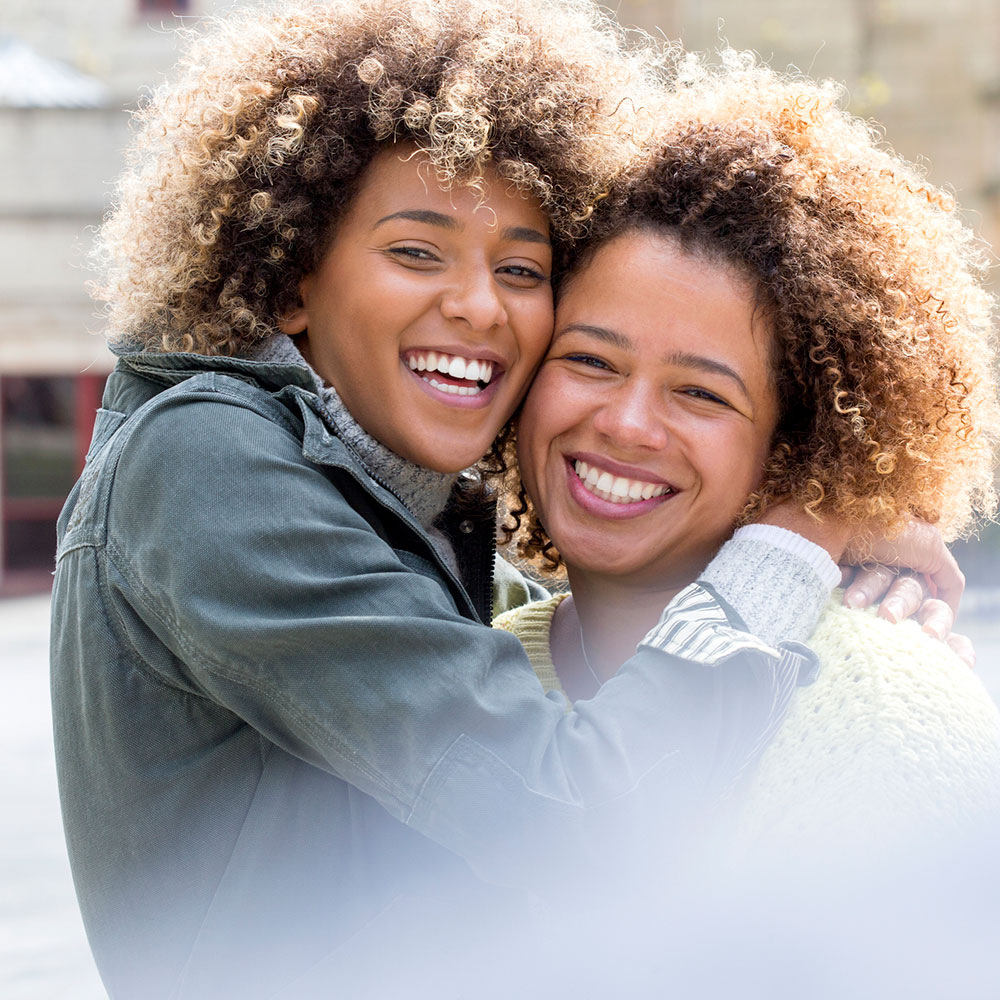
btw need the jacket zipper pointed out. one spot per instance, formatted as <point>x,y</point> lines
<point>410,522</point>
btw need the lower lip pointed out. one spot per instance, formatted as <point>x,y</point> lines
<point>599,507</point>
<point>475,402</point>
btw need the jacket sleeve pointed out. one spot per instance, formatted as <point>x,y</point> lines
<point>273,597</point>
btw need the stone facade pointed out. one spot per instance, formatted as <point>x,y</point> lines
<point>58,168</point>
<point>928,71</point>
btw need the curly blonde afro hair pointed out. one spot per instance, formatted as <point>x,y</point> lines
<point>884,340</point>
<point>240,168</point>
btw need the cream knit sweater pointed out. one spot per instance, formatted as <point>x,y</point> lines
<point>895,734</point>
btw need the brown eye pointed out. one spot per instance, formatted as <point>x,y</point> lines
<point>522,276</point>
<point>590,361</point>
<point>416,255</point>
<point>705,394</point>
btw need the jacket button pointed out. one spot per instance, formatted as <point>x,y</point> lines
<point>466,527</point>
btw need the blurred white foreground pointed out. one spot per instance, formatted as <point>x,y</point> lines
<point>43,951</point>
<point>44,954</point>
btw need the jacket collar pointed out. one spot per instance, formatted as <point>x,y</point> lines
<point>169,368</point>
<point>320,444</point>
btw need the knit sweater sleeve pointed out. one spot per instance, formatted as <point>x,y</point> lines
<point>776,581</point>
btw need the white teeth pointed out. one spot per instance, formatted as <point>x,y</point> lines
<point>617,489</point>
<point>476,370</point>
<point>455,390</point>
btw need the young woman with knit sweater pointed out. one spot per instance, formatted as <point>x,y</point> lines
<point>770,306</point>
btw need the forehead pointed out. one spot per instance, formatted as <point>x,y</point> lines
<point>401,178</point>
<point>664,298</point>
<point>655,268</point>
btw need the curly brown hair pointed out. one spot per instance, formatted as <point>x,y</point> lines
<point>884,340</point>
<point>240,167</point>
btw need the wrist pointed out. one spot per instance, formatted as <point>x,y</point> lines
<point>813,557</point>
<point>828,532</point>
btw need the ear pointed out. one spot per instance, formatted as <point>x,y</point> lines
<point>297,320</point>
<point>294,322</point>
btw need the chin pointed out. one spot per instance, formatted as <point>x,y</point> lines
<point>448,465</point>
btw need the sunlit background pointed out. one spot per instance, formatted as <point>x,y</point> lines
<point>70,72</point>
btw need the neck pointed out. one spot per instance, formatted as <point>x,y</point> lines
<point>423,491</point>
<point>614,614</point>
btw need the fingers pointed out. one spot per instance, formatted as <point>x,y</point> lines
<point>949,581</point>
<point>936,617</point>
<point>921,548</point>
<point>905,596</point>
<point>869,585</point>
<point>962,645</point>
<point>847,574</point>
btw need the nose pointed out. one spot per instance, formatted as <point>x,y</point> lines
<point>473,297</point>
<point>633,417</point>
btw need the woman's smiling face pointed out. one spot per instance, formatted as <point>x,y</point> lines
<point>652,415</point>
<point>430,310</point>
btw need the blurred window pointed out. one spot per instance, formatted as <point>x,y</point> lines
<point>164,6</point>
<point>45,426</point>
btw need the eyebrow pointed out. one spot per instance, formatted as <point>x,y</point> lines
<point>521,234</point>
<point>602,333</point>
<point>421,215</point>
<point>686,359</point>
<point>524,234</point>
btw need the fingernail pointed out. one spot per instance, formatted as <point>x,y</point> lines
<point>892,610</point>
<point>856,599</point>
<point>934,629</point>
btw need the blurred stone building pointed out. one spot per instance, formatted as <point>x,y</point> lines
<point>69,72</point>
<point>927,70</point>
<point>71,69</point>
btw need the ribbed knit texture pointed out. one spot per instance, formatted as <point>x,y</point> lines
<point>532,625</point>
<point>778,582</point>
<point>896,735</point>
<point>424,492</point>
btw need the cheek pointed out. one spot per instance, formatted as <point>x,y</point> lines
<point>528,423</point>
<point>530,462</point>
<point>735,463</point>
<point>534,325</point>
<point>758,453</point>
<point>537,426</point>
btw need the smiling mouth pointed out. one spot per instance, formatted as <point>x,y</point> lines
<point>617,489</point>
<point>451,374</point>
